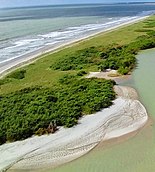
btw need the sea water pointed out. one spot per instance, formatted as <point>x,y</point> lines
<point>25,30</point>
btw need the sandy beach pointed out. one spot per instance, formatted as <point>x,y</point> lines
<point>126,115</point>
<point>12,64</point>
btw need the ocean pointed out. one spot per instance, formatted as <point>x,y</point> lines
<point>28,29</point>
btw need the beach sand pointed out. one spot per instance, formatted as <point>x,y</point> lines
<point>14,63</point>
<point>126,115</point>
<point>109,74</point>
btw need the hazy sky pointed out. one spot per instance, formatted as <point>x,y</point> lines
<point>11,3</point>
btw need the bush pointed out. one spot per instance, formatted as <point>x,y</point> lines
<point>4,81</point>
<point>17,74</point>
<point>123,71</point>
<point>41,131</point>
<point>66,79</point>
<point>30,111</point>
<point>122,58</point>
<point>79,60</point>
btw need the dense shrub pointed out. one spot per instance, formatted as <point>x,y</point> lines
<point>4,81</point>
<point>121,58</point>
<point>123,70</point>
<point>79,60</point>
<point>112,57</point>
<point>19,74</point>
<point>66,79</point>
<point>31,110</point>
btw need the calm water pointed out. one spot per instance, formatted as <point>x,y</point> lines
<point>138,153</point>
<point>24,30</point>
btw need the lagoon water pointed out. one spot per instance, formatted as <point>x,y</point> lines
<point>137,154</point>
<point>24,30</point>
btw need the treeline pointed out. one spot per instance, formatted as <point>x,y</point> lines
<point>118,57</point>
<point>31,110</point>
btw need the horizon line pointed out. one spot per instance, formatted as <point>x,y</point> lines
<point>69,4</point>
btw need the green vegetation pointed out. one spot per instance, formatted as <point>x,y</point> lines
<point>115,56</point>
<point>3,81</point>
<point>120,58</point>
<point>81,73</point>
<point>81,59</point>
<point>30,110</point>
<point>40,73</point>
<point>19,74</point>
<point>52,89</point>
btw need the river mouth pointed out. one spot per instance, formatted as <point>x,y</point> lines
<point>136,154</point>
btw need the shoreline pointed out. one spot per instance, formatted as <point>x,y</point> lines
<point>125,116</point>
<point>14,63</point>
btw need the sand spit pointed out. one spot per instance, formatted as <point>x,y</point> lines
<point>109,74</point>
<point>126,115</point>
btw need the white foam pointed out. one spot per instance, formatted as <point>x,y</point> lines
<point>25,42</point>
<point>52,43</point>
<point>51,35</point>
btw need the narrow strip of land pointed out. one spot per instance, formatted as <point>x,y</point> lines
<point>13,63</point>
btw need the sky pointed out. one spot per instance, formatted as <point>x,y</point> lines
<point>14,3</point>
